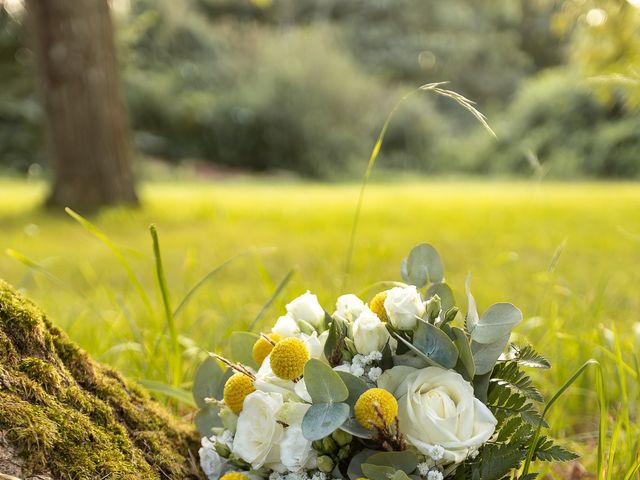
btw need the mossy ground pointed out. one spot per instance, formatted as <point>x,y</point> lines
<point>74,418</point>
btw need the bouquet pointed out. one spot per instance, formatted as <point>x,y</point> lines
<point>402,387</point>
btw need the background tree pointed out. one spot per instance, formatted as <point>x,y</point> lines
<point>85,114</point>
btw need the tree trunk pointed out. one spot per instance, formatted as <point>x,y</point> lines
<point>64,416</point>
<point>86,119</point>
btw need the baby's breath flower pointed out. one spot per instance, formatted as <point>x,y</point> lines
<point>435,475</point>
<point>374,357</point>
<point>357,370</point>
<point>436,453</point>
<point>374,373</point>
<point>423,469</point>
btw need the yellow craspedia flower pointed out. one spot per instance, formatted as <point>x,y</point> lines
<point>288,358</point>
<point>365,408</point>
<point>238,386</point>
<point>234,476</point>
<point>376,305</point>
<point>262,348</point>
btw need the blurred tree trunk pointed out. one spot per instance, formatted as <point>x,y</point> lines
<point>86,118</point>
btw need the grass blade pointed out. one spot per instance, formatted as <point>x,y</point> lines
<point>166,301</point>
<point>170,391</point>
<point>117,252</point>
<point>430,87</point>
<point>285,281</point>
<point>183,303</point>
<point>602,423</point>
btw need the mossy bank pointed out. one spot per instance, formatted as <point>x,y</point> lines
<point>69,417</point>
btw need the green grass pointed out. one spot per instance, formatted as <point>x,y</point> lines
<point>566,254</point>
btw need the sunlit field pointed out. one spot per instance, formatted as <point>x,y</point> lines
<point>566,254</point>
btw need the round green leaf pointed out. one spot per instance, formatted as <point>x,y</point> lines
<point>355,385</point>
<point>465,357</point>
<point>485,355</point>
<point>242,348</point>
<point>407,461</point>
<point>207,419</point>
<point>422,265</point>
<point>206,383</point>
<point>496,322</point>
<point>323,419</point>
<point>435,344</point>
<point>323,384</point>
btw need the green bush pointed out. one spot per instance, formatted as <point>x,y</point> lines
<point>557,118</point>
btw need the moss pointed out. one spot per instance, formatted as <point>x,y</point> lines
<point>75,418</point>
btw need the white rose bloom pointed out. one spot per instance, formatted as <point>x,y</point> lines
<point>258,434</point>
<point>436,408</point>
<point>307,308</point>
<point>369,333</point>
<point>213,465</point>
<point>296,452</point>
<point>286,327</point>
<point>404,306</point>
<point>349,307</point>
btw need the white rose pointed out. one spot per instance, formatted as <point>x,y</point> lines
<point>436,407</point>
<point>286,327</point>
<point>404,306</point>
<point>369,333</point>
<point>349,307</point>
<point>306,308</point>
<point>213,465</point>
<point>296,452</point>
<point>258,434</point>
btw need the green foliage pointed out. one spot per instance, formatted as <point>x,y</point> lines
<point>323,384</point>
<point>323,419</point>
<point>556,126</point>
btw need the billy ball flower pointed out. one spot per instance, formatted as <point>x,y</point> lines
<point>236,389</point>
<point>288,358</point>
<point>376,305</point>
<point>262,348</point>
<point>234,476</point>
<point>376,407</point>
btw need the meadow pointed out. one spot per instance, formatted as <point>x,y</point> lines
<point>567,254</point>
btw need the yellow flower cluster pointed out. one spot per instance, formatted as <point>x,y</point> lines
<point>234,476</point>
<point>288,358</point>
<point>262,348</point>
<point>236,389</point>
<point>376,407</point>
<point>376,305</point>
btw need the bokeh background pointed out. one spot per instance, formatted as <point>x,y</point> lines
<point>242,129</point>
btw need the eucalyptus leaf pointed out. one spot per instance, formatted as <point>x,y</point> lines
<point>377,472</point>
<point>472,318</point>
<point>481,386</point>
<point>323,419</point>
<point>485,355</point>
<point>422,266</point>
<point>323,384</point>
<point>407,461</point>
<point>206,382</point>
<point>207,419</point>
<point>354,471</point>
<point>421,355</point>
<point>436,344</point>
<point>496,322</point>
<point>443,290</point>
<point>355,385</point>
<point>242,347</point>
<point>465,363</point>
<point>354,428</point>
<point>400,475</point>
